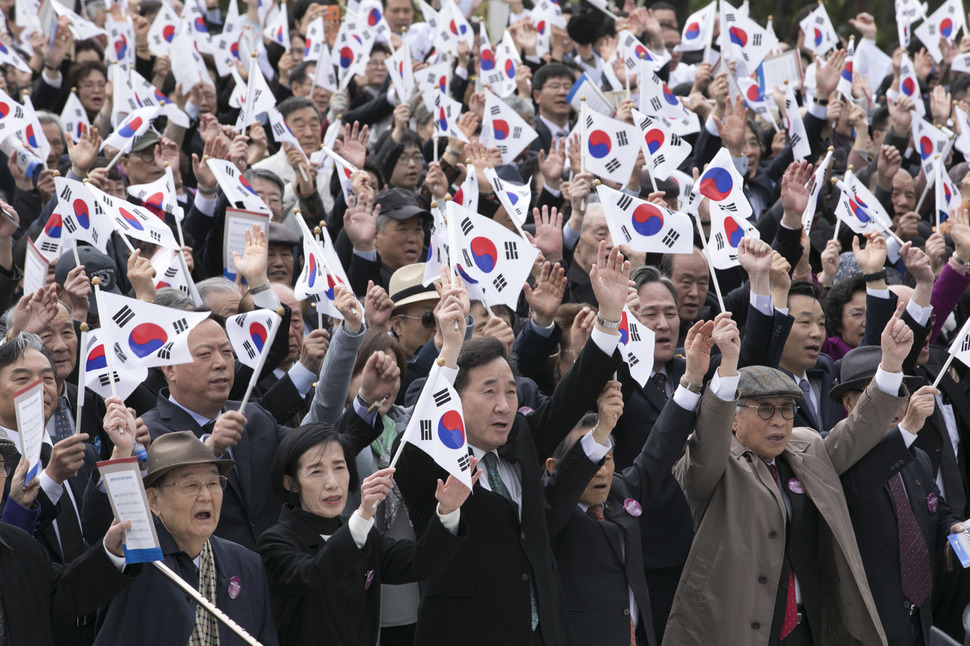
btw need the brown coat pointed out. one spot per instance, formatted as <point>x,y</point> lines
<point>739,520</point>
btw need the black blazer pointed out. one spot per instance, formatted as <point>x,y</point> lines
<point>597,569</point>
<point>826,374</point>
<point>874,521</point>
<point>484,593</point>
<point>329,592</point>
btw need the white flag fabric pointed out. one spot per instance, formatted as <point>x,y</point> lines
<point>158,196</point>
<point>371,12</point>
<point>162,32</point>
<point>237,190</point>
<point>727,229</point>
<point>33,132</point>
<point>723,186</point>
<point>820,36</point>
<point>507,60</point>
<point>131,129</point>
<point>326,74</point>
<point>321,273</point>
<point>492,75</point>
<point>400,67</point>
<point>74,116</point>
<point>127,373</point>
<point>315,40</point>
<point>947,195</point>
<point>496,259</point>
<point>909,84</point>
<point>634,51</point>
<point>663,150</point>
<point>467,193</point>
<point>858,208</point>
<point>277,28</point>
<point>514,197</point>
<point>12,116</point>
<point>135,221</point>
<point>963,141</point>
<point>754,97</point>
<point>437,426</point>
<point>171,271</point>
<point>611,147</point>
<point>933,145</point>
<point>83,218</point>
<point>251,334</point>
<point>352,48</point>
<point>907,13</point>
<point>261,99</point>
<point>698,29</point>
<point>504,129</point>
<point>845,79</point>
<point>746,40</point>
<point>457,26</point>
<point>960,348</point>
<point>644,226</point>
<point>446,114</point>
<point>153,334</point>
<point>121,42</point>
<point>818,180</point>
<point>281,132</point>
<point>636,347</point>
<point>946,22</point>
<point>797,136</point>
<point>657,100</point>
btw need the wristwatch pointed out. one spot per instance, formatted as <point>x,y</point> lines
<point>609,325</point>
<point>259,288</point>
<point>878,275</point>
<point>694,388</point>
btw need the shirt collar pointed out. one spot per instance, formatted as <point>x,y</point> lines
<point>201,420</point>
<point>554,128</point>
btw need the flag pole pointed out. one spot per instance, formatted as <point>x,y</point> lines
<point>582,142</point>
<point>105,338</point>
<point>114,160</point>
<point>317,230</point>
<point>946,366</point>
<point>82,373</point>
<point>939,178</point>
<point>262,358</point>
<point>205,603</point>
<point>452,240</point>
<point>249,89</point>
<point>710,265</point>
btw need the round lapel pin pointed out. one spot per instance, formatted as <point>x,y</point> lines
<point>795,486</point>
<point>632,507</point>
<point>932,503</point>
<point>235,587</point>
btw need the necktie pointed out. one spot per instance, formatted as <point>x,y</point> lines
<point>495,481</point>
<point>62,421</point>
<point>596,512</point>
<point>791,607</point>
<point>914,558</point>
<point>809,407</point>
<point>660,381</point>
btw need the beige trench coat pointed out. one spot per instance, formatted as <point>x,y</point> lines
<point>729,584</point>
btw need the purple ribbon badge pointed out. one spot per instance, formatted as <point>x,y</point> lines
<point>932,502</point>
<point>632,507</point>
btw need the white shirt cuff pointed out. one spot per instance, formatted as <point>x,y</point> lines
<point>892,249</point>
<point>117,561</point>
<point>542,331</point>
<point>878,293</point>
<point>51,488</point>
<point>449,521</point>
<point>761,302</point>
<point>593,449</point>
<point>53,81</point>
<point>268,300</point>
<point>534,59</point>
<point>686,399</point>
<point>569,237</point>
<point>889,382</point>
<point>605,342</point>
<point>724,388</point>
<point>359,529</point>
<point>921,315</point>
<point>908,437</point>
<point>302,378</point>
<point>461,72</point>
<point>818,111</point>
<point>367,255</point>
<point>711,127</point>
<point>206,205</point>
<point>782,310</point>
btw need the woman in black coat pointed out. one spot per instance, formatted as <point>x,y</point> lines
<point>324,573</point>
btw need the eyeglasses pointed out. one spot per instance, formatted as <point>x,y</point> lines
<point>427,319</point>
<point>148,155</point>
<point>417,158</point>
<point>193,488</point>
<point>766,411</point>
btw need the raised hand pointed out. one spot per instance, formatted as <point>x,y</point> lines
<point>83,152</point>
<point>697,348</point>
<point>373,491</point>
<point>871,258</point>
<point>226,432</point>
<point>827,78</point>
<point>609,405</point>
<point>756,259</point>
<point>252,264</point>
<point>353,145</point>
<point>315,346</point>
<point>120,425</point>
<point>727,338</point>
<point>380,379</point>
<point>896,341</point>
<point>608,277</point>
<point>360,222</point>
<point>452,494</point>
<point>24,493</point>
<point>731,129</point>
<point>548,237</point>
<point>921,406</point>
<point>551,164</point>
<point>67,457</point>
<point>346,303</point>
<point>794,192</point>
<point>546,297</point>
<point>377,307</point>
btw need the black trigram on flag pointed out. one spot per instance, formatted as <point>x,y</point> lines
<point>655,104</point>
<point>180,326</point>
<point>729,206</point>
<point>466,226</point>
<point>756,40</point>
<point>442,397</point>
<point>248,347</point>
<point>511,250</point>
<point>671,238</point>
<point>612,165</point>
<point>500,283</point>
<point>503,149</point>
<point>658,160</point>
<point>516,132</point>
<point>624,202</point>
<point>729,17</point>
<point>965,345</point>
<point>120,353</point>
<point>464,463</point>
<point>626,233</point>
<point>123,316</point>
<point>589,121</point>
<point>69,224</point>
<point>106,379</point>
<point>467,256</point>
<point>165,352</point>
<point>278,128</point>
<point>719,241</point>
<point>426,430</point>
<point>631,360</point>
<point>621,138</point>
<point>156,236</point>
<point>66,194</point>
<point>795,139</point>
<point>634,332</point>
<point>172,271</point>
<point>50,247</point>
<point>496,110</point>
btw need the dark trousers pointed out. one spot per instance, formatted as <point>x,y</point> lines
<point>398,635</point>
<point>662,583</point>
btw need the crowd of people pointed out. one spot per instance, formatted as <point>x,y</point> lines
<point>789,471</point>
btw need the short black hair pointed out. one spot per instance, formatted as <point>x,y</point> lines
<point>803,288</point>
<point>588,421</point>
<point>959,87</point>
<point>650,274</point>
<point>14,350</point>
<point>550,71</point>
<point>295,445</point>
<point>300,73</point>
<point>836,300</point>
<point>89,45</point>
<point>880,118</point>
<point>82,70</point>
<point>478,352</point>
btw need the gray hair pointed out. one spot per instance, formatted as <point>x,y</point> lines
<point>524,108</point>
<point>14,350</point>
<point>174,298</point>
<point>268,175</point>
<point>215,285</point>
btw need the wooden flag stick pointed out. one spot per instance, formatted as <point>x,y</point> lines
<point>946,366</point>
<point>82,373</point>
<point>710,264</point>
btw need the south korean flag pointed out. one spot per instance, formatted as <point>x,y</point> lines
<point>97,376</point>
<point>610,148</point>
<point>251,334</point>
<point>817,182</point>
<point>514,197</point>
<point>74,117</point>
<point>858,208</point>
<point>723,186</point>
<point>400,67</point>
<point>933,145</point>
<point>437,426</point>
<point>171,271</point>
<point>162,32</point>
<point>909,85</point>
<point>238,190</point>
<point>657,100</point>
<point>467,193</point>
<point>662,149</point>
<point>727,230</point>
<point>820,35</point>
<point>504,129</point>
<point>797,135</point>
<point>946,22</point>
<point>636,347</point>
<point>447,111</point>
<point>634,51</point>
<point>315,40</point>
<point>492,76</point>
<point>151,334</point>
<point>83,218</point>
<point>489,255</point>
<point>644,226</point>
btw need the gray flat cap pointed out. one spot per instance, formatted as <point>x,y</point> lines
<point>759,382</point>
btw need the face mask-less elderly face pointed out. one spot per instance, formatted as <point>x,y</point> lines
<point>766,437</point>
<point>33,365</point>
<point>400,242</point>
<point>203,386</point>
<point>322,480</point>
<point>489,401</point>
<point>188,500</point>
<point>61,341</point>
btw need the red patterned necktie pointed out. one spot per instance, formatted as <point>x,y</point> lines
<point>914,558</point>
<point>596,512</point>
<point>791,607</point>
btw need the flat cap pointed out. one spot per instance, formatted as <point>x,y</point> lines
<point>281,234</point>
<point>759,382</point>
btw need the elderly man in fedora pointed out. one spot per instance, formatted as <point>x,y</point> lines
<point>774,559</point>
<point>184,484</point>
<point>901,519</point>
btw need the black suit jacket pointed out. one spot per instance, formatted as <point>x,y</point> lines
<point>825,375</point>
<point>484,594</point>
<point>874,521</point>
<point>601,562</point>
<point>329,592</point>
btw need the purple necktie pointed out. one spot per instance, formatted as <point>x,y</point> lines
<point>914,558</point>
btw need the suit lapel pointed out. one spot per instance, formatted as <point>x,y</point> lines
<point>242,473</point>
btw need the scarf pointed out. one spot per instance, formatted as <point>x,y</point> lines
<point>206,632</point>
<point>382,450</point>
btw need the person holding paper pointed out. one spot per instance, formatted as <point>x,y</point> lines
<point>184,486</point>
<point>316,562</point>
